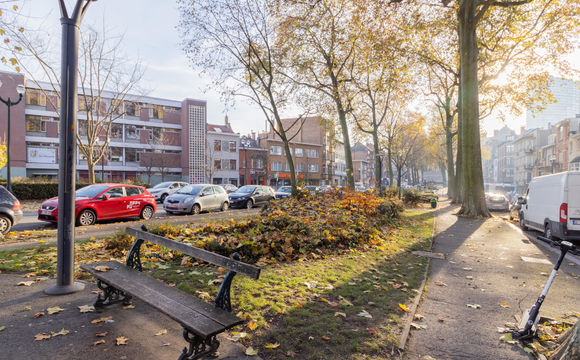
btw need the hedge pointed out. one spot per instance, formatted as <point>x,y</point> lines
<point>37,191</point>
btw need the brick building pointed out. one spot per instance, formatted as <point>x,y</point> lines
<point>153,138</point>
<point>222,154</point>
<point>253,162</point>
<point>363,164</point>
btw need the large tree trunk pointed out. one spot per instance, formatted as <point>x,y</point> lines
<point>451,190</point>
<point>291,167</point>
<point>473,203</point>
<point>378,163</point>
<point>399,179</point>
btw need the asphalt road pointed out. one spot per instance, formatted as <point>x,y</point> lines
<point>104,228</point>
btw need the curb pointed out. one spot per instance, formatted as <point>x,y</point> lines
<point>415,303</point>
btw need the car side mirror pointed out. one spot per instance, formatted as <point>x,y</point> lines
<point>106,197</point>
<point>521,201</point>
<point>201,194</point>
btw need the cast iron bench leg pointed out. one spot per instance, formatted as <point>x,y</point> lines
<point>111,295</point>
<point>198,346</point>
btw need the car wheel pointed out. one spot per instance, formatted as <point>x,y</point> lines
<point>147,212</point>
<point>86,217</point>
<point>522,223</point>
<point>195,209</point>
<point>548,232</point>
<point>225,206</point>
<point>5,224</point>
<point>249,204</point>
<point>162,198</point>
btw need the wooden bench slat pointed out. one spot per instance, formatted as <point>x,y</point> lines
<point>193,313</point>
<point>216,259</point>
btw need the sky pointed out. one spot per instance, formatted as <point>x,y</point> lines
<point>150,34</point>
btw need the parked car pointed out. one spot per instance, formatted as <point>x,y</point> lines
<point>497,202</point>
<point>516,207</point>
<point>103,202</point>
<point>552,205</point>
<point>229,188</point>
<point>164,189</point>
<point>10,212</point>
<point>313,189</point>
<point>250,195</point>
<point>284,192</point>
<point>193,199</point>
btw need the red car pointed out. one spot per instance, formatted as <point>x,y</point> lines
<point>103,202</point>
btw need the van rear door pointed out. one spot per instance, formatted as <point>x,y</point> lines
<point>573,199</point>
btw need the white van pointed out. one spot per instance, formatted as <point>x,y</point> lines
<point>552,205</point>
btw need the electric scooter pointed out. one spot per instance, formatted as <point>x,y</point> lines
<point>531,318</point>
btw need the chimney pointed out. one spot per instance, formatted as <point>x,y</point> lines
<point>227,122</point>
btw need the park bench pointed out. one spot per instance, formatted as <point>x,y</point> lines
<point>201,322</point>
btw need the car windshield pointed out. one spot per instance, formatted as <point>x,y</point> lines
<point>496,197</point>
<point>191,189</point>
<point>284,189</point>
<point>162,185</point>
<point>246,189</point>
<point>91,191</point>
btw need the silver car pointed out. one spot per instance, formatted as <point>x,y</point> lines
<point>164,189</point>
<point>193,199</point>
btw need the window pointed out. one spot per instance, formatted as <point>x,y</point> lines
<point>131,109</point>
<point>117,131</point>
<point>298,152</point>
<point>259,164</point>
<point>116,107</point>
<point>131,132</point>
<point>312,168</point>
<point>84,103</point>
<point>233,165</point>
<point>232,146</point>
<point>156,111</point>
<point>275,150</point>
<point>243,163</point>
<point>286,167</point>
<point>217,145</point>
<point>132,191</point>
<point>116,154</point>
<point>35,97</point>
<point>219,190</point>
<point>276,166</point>
<point>225,146</point>
<point>217,164</point>
<point>575,166</point>
<point>131,155</point>
<point>311,153</point>
<point>299,167</point>
<point>116,192</point>
<point>35,124</point>
<point>155,134</point>
<point>207,191</point>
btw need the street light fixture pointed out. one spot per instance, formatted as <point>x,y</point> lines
<point>20,90</point>
<point>65,283</point>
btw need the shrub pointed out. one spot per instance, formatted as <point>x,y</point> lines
<point>119,243</point>
<point>411,197</point>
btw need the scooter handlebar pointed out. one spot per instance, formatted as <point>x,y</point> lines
<point>562,245</point>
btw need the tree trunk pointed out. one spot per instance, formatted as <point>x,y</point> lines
<point>378,163</point>
<point>443,173</point>
<point>291,167</point>
<point>347,149</point>
<point>458,198</point>
<point>399,178</point>
<point>390,167</point>
<point>91,170</point>
<point>451,190</point>
<point>473,203</point>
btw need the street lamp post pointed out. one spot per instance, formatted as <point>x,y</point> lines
<point>20,90</point>
<point>65,283</point>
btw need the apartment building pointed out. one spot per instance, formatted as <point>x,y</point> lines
<point>526,151</point>
<point>308,151</point>
<point>222,154</point>
<point>546,163</point>
<point>363,164</point>
<point>253,161</point>
<point>563,130</point>
<point>151,138</point>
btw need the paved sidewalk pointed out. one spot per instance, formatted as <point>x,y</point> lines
<point>18,304</point>
<point>488,263</point>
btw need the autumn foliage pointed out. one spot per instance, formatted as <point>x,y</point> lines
<point>292,228</point>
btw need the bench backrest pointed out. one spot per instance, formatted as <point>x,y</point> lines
<point>204,255</point>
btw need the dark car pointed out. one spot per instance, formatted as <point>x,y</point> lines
<point>313,189</point>
<point>104,202</point>
<point>497,202</point>
<point>250,195</point>
<point>284,192</point>
<point>229,188</point>
<point>10,212</point>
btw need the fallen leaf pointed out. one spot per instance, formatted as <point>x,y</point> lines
<point>121,340</point>
<point>98,342</point>
<point>252,325</point>
<point>239,335</point>
<point>298,304</point>
<point>332,303</point>
<point>418,317</point>
<point>417,326</point>
<point>365,314</point>
<point>372,331</point>
<point>291,354</point>
<point>61,332</point>
<point>25,283</point>
<point>86,308</point>
<point>403,308</point>
<point>38,314</point>
<point>325,338</point>
<point>250,351</point>
<point>2,328</point>
<point>128,307</point>
<point>440,283</point>
<point>103,319</point>
<point>508,338</point>
<point>103,334</point>
<point>203,294</point>
<point>54,310</point>
<point>103,268</point>
<point>41,336</point>
<point>467,269</point>
<point>340,314</point>
<point>27,308</point>
<point>441,319</point>
<point>469,277</point>
<point>504,305</point>
<point>474,306</point>
<point>272,346</point>
<point>161,332</point>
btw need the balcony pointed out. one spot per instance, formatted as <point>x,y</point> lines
<point>529,150</point>
<point>528,166</point>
